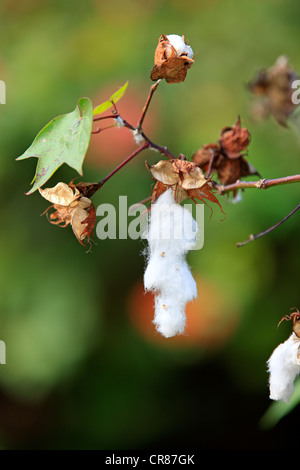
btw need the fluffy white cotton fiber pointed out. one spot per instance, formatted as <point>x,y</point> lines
<point>284,366</point>
<point>172,232</point>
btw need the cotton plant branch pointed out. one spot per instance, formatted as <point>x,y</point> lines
<point>173,57</point>
<point>222,189</point>
<point>138,134</point>
<point>137,131</point>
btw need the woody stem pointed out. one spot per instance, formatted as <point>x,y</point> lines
<point>260,184</point>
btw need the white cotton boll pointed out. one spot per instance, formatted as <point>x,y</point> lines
<point>180,46</point>
<point>284,366</point>
<point>171,233</point>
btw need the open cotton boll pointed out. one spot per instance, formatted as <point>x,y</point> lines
<point>172,227</point>
<point>170,303</point>
<point>170,275</point>
<point>180,46</point>
<point>284,366</point>
<point>171,233</point>
<point>169,316</point>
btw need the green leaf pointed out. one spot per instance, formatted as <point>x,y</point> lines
<point>65,139</point>
<point>113,99</point>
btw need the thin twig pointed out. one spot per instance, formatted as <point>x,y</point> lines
<point>261,234</point>
<point>124,162</point>
<point>138,204</point>
<point>145,109</point>
<point>163,150</point>
<point>100,129</point>
<point>101,118</point>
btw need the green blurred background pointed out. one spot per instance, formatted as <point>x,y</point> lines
<point>85,368</point>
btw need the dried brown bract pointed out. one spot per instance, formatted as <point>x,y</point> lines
<point>86,189</point>
<point>234,140</point>
<point>272,89</point>
<point>295,316</point>
<point>71,208</point>
<point>62,194</point>
<point>185,178</point>
<point>173,57</point>
<point>227,157</point>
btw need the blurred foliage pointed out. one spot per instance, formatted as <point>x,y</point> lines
<point>81,372</point>
<point>280,409</point>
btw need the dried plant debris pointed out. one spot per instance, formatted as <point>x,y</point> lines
<point>272,89</point>
<point>71,208</point>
